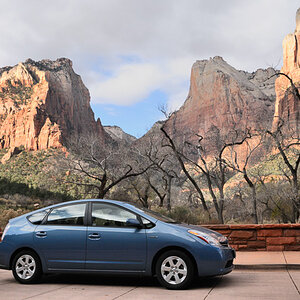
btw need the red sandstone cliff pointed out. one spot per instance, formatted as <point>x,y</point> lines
<point>226,98</point>
<point>287,105</point>
<point>42,104</point>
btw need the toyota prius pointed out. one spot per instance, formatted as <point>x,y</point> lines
<point>111,237</point>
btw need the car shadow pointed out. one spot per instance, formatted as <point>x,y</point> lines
<point>134,281</point>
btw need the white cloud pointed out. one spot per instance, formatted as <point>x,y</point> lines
<point>129,84</point>
<point>132,82</point>
<point>166,37</point>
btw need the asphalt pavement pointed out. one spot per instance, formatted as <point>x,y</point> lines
<point>262,281</point>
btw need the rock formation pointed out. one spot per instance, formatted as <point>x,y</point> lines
<point>297,21</point>
<point>42,104</point>
<point>287,105</point>
<point>118,135</point>
<point>225,98</point>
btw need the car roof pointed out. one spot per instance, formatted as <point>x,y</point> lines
<point>121,203</point>
<point>84,200</point>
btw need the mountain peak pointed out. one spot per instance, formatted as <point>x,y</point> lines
<point>224,97</point>
<point>119,135</point>
<point>287,105</point>
<point>50,65</point>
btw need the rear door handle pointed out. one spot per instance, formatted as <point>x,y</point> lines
<point>94,236</point>
<point>41,234</point>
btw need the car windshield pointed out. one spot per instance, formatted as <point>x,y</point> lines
<point>156,215</point>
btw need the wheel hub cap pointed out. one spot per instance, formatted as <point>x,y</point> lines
<point>174,270</point>
<point>25,266</point>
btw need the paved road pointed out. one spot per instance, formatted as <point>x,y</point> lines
<point>240,284</point>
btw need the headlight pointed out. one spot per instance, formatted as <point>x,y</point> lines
<point>205,237</point>
<point>4,232</point>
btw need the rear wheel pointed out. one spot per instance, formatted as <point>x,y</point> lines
<point>27,267</point>
<point>175,270</point>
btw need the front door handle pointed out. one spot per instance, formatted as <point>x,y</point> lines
<point>94,236</point>
<point>41,234</point>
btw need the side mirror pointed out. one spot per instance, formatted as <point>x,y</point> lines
<point>133,223</point>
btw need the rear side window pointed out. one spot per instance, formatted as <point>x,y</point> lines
<point>72,215</point>
<point>38,217</point>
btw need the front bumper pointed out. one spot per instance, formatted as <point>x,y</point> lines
<point>228,255</point>
<point>215,261</point>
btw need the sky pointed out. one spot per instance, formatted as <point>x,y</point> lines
<point>136,55</point>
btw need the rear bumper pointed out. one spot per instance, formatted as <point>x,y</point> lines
<point>4,267</point>
<point>5,253</point>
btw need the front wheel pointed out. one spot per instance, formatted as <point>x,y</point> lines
<point>174,270</point>
<point>26,267</point>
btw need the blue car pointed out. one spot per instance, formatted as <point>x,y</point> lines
<point>111,237</point>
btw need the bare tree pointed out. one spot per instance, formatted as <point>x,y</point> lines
<point>164,168</point>
<point>276,198</point>
<point>252,142</point>
<point>160,189</point>
<point>104,166</point>
<point>141,187</point>
<point>287,142</point>
<point>210,160</point>
<point>181,158</point>
<point>286,139</point>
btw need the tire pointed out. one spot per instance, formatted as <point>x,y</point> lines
<point>175,270</point>
<point>27,267</point>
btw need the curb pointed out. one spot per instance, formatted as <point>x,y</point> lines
<point>268,267</point>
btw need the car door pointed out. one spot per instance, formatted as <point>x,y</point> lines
<point>111,244</point>
<point>61,239</point>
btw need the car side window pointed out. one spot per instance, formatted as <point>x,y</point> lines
<point>37,218</point>
<point>72,215</point>
<point>107,215</point>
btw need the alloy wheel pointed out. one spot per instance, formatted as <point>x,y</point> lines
<point>25,266</point>
<point>174,270</point>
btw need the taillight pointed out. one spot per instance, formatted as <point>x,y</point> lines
<point>5,231</point>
